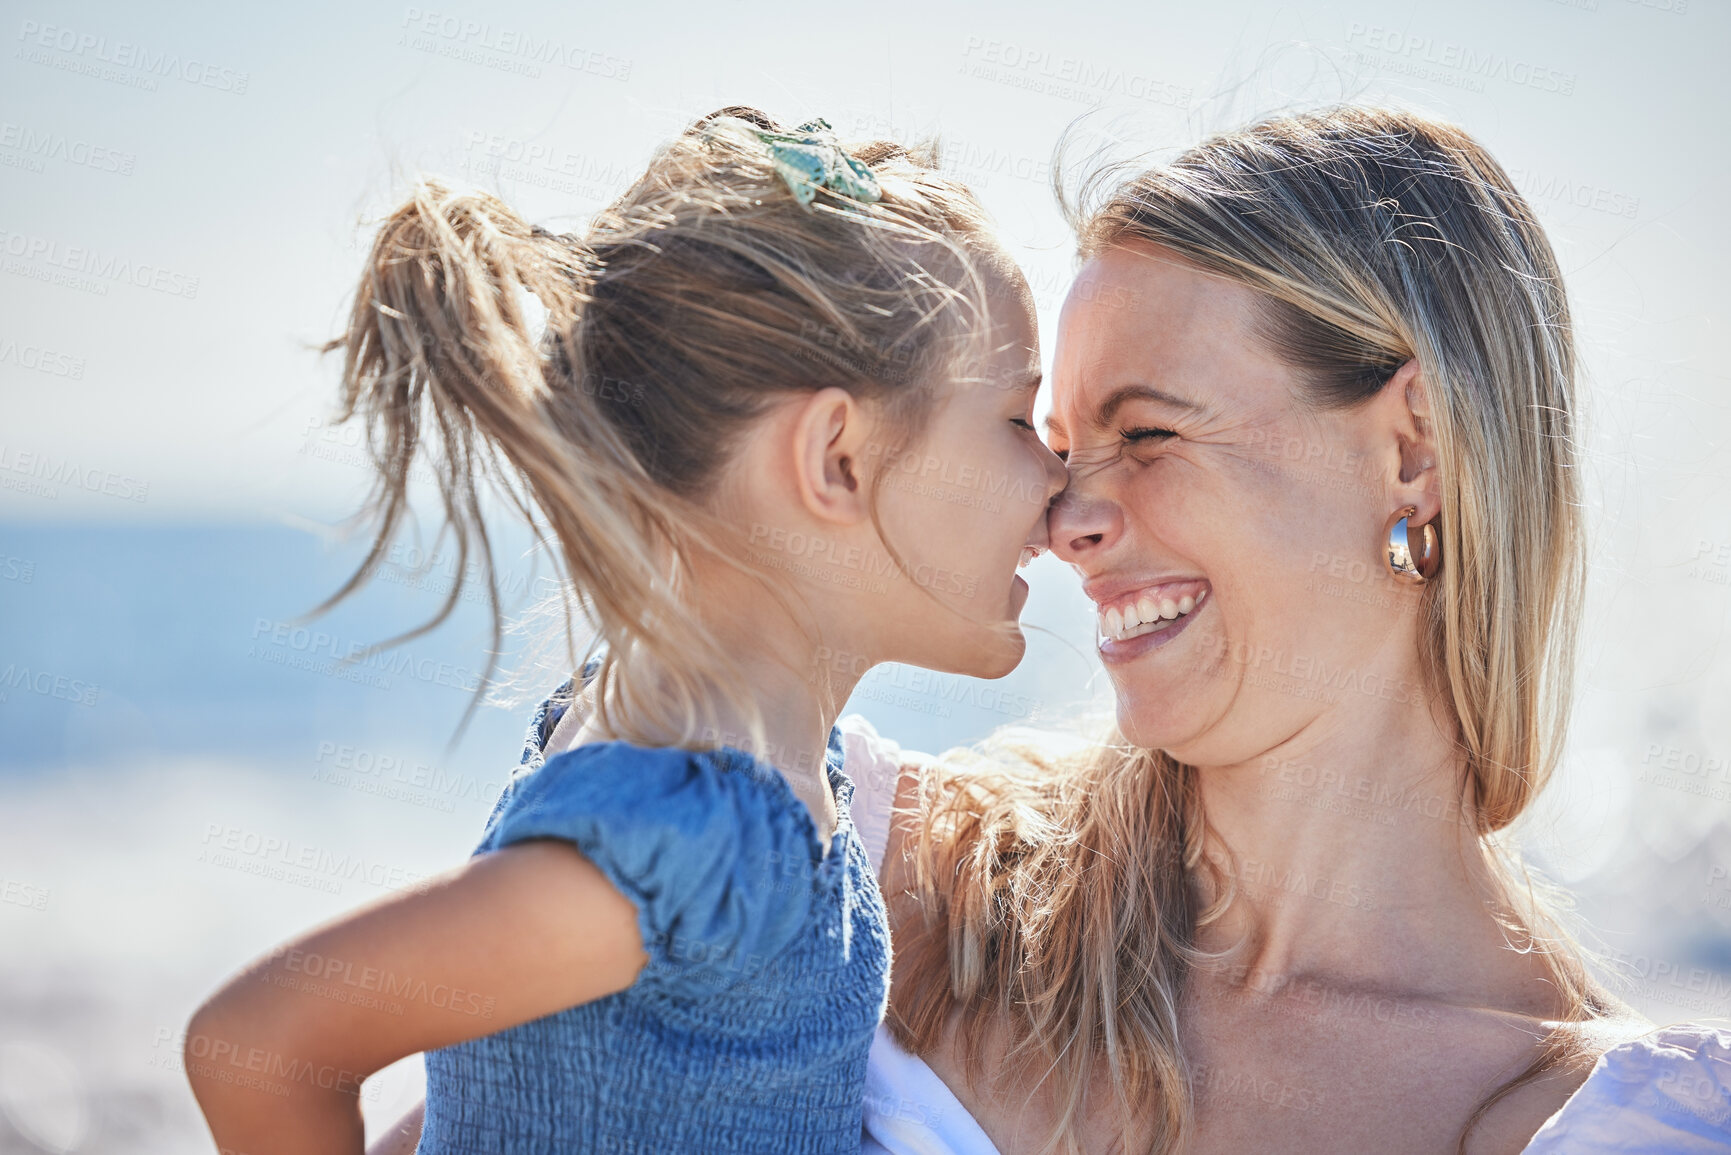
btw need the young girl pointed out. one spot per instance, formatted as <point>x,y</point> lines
<point>755,365</point>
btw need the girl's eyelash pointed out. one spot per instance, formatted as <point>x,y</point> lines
<point>1028,425</point>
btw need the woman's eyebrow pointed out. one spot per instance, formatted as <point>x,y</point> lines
<point>1122,396</point>
<point>1127,393</point>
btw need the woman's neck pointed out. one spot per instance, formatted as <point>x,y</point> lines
<point>1357,862</point>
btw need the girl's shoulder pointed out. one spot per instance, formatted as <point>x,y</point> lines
<point>673,785</point>
<point>1668,1090</point>
<point>721,858</point>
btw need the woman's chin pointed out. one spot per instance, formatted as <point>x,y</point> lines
<point>1151,728</point>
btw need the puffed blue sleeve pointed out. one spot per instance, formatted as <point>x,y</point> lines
<point>718,859</point>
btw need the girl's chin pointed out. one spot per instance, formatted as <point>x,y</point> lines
<point>981,650</point>
<point>1003,653</point>
<point>1000,645</point>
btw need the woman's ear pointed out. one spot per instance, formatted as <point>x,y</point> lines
<point>1404,410</point>
<point>831,434</point>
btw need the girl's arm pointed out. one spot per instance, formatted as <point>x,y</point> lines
<point>276,1057</point>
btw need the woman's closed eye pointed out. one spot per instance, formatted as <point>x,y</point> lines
<point>1144,434</point>
<point>1128,443</point>
<point>1143,441</point>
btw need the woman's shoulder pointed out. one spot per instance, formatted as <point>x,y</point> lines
<point>1666,1089</point>
<point>879,769</point>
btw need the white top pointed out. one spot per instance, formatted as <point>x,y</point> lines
<point>874,763</point>
<point>908,1109</point>
<point>1665,1093</point>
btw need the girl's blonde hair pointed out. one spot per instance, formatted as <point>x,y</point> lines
<point>702,295</point>
<point>1063,894</point>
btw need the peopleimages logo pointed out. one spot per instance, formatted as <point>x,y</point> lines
<point>41,359</point>
<point>40,474</point>
<point>48,684</point>
<point>1672,980</point>
<point>86,52</point>
<point>225,844</point>
<point>1430,58</point>
<point>548,158</point>
<point>42,145</point>
<point>1543,187</point>
<point>398,778</point>
<point>510,49</point>
<point>317,651</point>
<point>1065,77</point>
<point>40,257</point>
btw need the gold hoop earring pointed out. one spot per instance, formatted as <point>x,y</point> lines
<point>1410,562</point>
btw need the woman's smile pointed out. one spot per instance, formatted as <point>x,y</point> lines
<point>1126,613</point>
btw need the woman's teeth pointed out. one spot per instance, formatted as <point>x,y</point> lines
<point>1029,553</point>
<point>1145,615</point>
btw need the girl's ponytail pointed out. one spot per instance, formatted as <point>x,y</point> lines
<point>439,355</point>
<point>700,297</point>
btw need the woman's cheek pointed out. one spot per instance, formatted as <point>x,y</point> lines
<point>1159,503</point>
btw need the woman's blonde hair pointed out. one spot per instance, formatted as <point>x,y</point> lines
<point>702,295</point>
<point>1063,896</point>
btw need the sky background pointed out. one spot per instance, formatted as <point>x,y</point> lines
<point>185,194</point>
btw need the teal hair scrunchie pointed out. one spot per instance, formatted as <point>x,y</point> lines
<point>810,157</point>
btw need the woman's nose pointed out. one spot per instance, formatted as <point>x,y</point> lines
<point>1082,522</point>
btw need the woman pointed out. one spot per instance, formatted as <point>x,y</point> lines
<point>1315,386</point>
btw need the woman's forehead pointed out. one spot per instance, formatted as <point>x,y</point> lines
<point>1135,281</point>
<point>1191,352</point>
<point>1155,324</point>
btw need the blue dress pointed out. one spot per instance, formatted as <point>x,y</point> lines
<point>768,972</point>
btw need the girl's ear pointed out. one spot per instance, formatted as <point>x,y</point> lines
<point>831,435</point>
